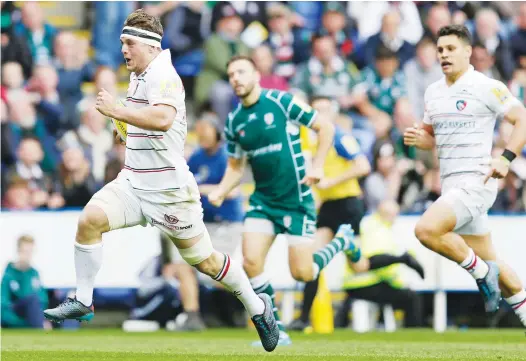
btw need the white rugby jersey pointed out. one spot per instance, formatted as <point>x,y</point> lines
<point>155,159</point>
<point>463,118</point>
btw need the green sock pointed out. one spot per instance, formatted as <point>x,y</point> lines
<point>324,255</point>
<point>266,287</point>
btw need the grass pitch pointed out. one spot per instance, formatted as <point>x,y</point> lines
<point>234,345</point>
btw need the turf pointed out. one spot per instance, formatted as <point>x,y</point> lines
<point>234,345</point>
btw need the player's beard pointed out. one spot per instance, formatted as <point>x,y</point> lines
<point>248,90</point>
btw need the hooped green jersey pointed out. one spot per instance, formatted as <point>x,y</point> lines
<point>268,134</point>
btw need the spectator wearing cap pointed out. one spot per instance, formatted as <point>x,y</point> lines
<point>38,34</point>
<point>335,23</point>
<point>390,37</point>
<point>421,72</point>
<point>518,38</point>
<point>384,84</point>
<point>487,27</point>
<point>289,44</point>
<point>264,60</point>
<point>212,83</point>
<point>23,296</point>
<point>327,74</point>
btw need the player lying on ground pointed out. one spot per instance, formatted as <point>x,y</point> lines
<point>155,185</point>
<point>264,130</point>
<point>460,113</point>
<point>341,200</point>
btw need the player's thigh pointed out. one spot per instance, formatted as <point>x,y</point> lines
<point>440,218</point>
<point>322,236</point>
<point>258,236</point>
<point>301,240</point>
<point>120,204</point>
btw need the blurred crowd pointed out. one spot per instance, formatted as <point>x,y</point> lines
<point>375,59</point>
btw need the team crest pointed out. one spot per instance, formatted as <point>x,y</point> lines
<point>287,221</point>
<point>461,105</point>
<point>269,118</point>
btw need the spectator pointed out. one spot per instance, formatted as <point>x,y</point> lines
<point>327,74</point>
<point>487,26</point>
<point>249,12</point>
<point>107,26</point>
<point>73,69</point>
<point>23,297</point>
<point>27,167</point>
<point>484,62</point>
<point>15,49</point>
<point>17,196</point>
<point>518,85</point>
<point>386,181</point>
<point>289,44</point>
<point>390,37</point>
<point>77,184</point>
<point>186,28</point>
<point>334,22</point>
<point>438,16</point>
<point>38,34</point>
<point>115,162</point>
<point>517,39</point>
<point>212,83</point>
<point>421,72</point>
<point>105,78</point>
<point>47,101</point>
<point>12,80</point>
<point>264,61</point>
<point>384,83</point>
<point>95,137</point>
<point>368,17</point>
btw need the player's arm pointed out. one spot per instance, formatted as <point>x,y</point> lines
<point>325,130</point>
<point>159,117</point>
<point>206,189</point>
<point>502,102</point>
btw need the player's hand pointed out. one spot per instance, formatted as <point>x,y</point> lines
<point>105,103</point>
<point>314,175</point>
<point>117,138</point>
<point>216,198</point>
<point>499,168</point>
<point>325,183</point>
<point>415,136</point>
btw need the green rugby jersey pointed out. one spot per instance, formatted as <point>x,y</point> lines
<point>268,134</point>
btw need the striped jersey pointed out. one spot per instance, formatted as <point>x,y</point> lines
<point>463,117</point>
<point>155,159</point>
<point>267,133</point>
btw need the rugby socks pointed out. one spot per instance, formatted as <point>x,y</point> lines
<point>261,284</point>
<point>518,304</point>
<point>309,293</point>
<point>324,256</point>
<point>88,260</point>
<point>475,265</point>
<point>236,281</point>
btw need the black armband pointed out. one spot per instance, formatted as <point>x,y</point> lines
<point>509,155</point>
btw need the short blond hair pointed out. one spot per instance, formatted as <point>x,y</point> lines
<point>25,239</point>
<point>142,20</point>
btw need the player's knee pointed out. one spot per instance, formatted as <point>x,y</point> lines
<point>92,223</point>
<point>252,266</point>
<point>426,233</point>
<point>302,273</point>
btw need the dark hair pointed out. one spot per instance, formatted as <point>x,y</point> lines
<point>424,42</point>
<point>142,20</point>
<point>479,44</point>
<point>241,57</point>
<point>460,31</point>
<point>383,52</point>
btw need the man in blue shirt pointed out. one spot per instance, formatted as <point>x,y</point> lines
<point>208,164</point>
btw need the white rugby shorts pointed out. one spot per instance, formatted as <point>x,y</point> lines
<point>471,199</point>
<point>178,213</point>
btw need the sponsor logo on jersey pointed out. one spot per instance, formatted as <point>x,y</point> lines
<point>171,226</point>
<point>461,105</point>
<point>171,219</point>
<point>271,148</point>
<point>502,94</point>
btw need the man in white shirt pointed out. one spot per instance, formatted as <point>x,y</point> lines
<point>155,185</point>
<point>460,114</point>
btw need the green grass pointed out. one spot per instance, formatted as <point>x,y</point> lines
<point>234,345</point>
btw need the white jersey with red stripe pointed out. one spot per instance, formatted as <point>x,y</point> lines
<point>155,159</point>
<point>463,117</point>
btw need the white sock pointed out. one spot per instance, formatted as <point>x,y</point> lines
<point>88,259</point>
<point>234,279</point>
<point>518,303</point>
<point>259,283</point>
<point>475,266</point>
